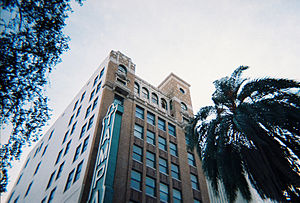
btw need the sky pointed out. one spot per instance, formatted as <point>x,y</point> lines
<point>198,40</point>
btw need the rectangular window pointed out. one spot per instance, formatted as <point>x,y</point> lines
<point>150,186</point>
<point>28,189</point>
<point>95,81</point>
<point>138,131</point>
<point>82,97</point>
<point>137,153</point>
<point>150,118</point>
<point>19,179</point>
<point>36,151</point>
<point>85,144</point>
<point>95,103</point>
<point>88,111</point>
<point>176,196</point>
<point>161,124</point>
<point>91,121</point>
<point>150,159</point>
<point>27,162</point>
<point>172,130</point>
<point>163,165</point>
<point>71,120</point>
<point>136,178</point>
<point>119,100</point>
<point>44,200</point>
<point>58,157</point>
<point>73,128</point>
<point>197,201</point>
<point>98,87</point>
<point>92,95</point>
<point>173,149</point>
<point>45,149</point>
<point>67,148</point>
<point>37,168</point>
<point>191,159</point>
<point>101,73</point>
<point>194,180</point>
<point>65,137</point>
<point>69,180</point>
<point>50,135</point>
<point>139,112</point>
<point>17,199</point>
<point>75,105</point>
<point>50,180</point>
<point>78,170</point>
<point>60,169</point>
<point>162,143</point>
<point>51,196</point>
<point>77,152</point>
<point>150,137</point>
<point>175,171</point>
<point>164,192</point>
<point>83,130</point>
<point>78,111</point>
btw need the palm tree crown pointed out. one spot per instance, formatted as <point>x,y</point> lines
<point>252,130</point>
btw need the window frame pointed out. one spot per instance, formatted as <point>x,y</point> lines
<point>138,131</point>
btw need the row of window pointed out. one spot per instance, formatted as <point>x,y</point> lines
<point>139,113</point>
<point>150,187</point>
<point>154,98</point>
<point>137,155</point>
<point>162,142</point>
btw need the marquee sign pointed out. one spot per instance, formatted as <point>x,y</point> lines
<point>102,185</point>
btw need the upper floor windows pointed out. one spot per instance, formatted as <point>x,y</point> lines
<point>122,69</point>
<point>150,186</point>
<point>102,72</point>
<point>92,95</point>
<point>95,81</point>
<point>138,131</point>
<point>136,88</point>
<point>136,179</point>
<point>191,159</point>
<point>164,104</point>
<point>69,180</point>
<point>82,96</point>
<point>139,112</point>
<point>75,105</point>
<point>181,90</point>
<point>183,106</point>
<point>171,129</point>
<point>163,192</point>
<point>145,93</point>
<point>194,181</point>
<point>137,153</point>
<point>161,124</point>
<point>154,98</point>
<point>150,118</point>
<point>119,100</point>
<point>28,189</point>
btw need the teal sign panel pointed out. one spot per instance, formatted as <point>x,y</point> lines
<point>103,178</point>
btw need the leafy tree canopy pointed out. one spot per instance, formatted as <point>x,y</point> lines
<point>252,130</point>
<point>32,41</point>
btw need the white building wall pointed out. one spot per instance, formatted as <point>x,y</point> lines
<point>40,180</point>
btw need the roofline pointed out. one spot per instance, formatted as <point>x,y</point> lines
<point>170,76</point>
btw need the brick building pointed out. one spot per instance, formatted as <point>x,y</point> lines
<point>120,140</point>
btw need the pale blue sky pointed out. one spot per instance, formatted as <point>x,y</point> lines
<point>198,40</point>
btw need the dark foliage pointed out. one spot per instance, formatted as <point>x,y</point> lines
<point>253,131</point>
<point>31,43</point>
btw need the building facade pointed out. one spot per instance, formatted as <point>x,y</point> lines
<point>120,140</point>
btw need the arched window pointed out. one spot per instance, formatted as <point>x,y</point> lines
<point>145,93</point>
<point>164,104</point>
<point>122,69</point>
<point>154,98</point>
<point>181,90</point>
<point>183,106</point>
<point>136,88</point>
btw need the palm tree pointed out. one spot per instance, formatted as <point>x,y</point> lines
<point>252,132</point>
